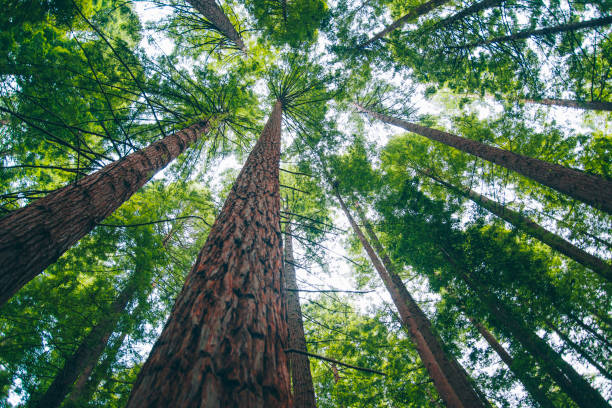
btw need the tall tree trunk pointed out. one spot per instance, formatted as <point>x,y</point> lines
<point>521,35</point>
<point>301,378</point>
<point>587,188</point>
<point>448,377</point>
<point>530,383</point>
<point>33,237</point>
<point>532,228</point>
<point>213,13</point>
<point>568,103</point>
<point>508,322</point>
<point>412,14</point>
<point>223,345</point>
<point>89,351</point>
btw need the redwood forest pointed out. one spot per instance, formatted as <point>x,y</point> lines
<point>305,203</point>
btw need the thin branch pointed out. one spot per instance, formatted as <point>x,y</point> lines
<point>331,360</point>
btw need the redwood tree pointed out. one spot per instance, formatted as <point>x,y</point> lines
<point>211,10</point>
<point>590,189</point>
<point>223,345</point>
<point>35,236</point>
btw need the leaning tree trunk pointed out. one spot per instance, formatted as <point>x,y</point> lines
<point>530,383</point>
<point>412,14</point>
<point>33,237</point>
<point>568,103</point>
<point>509,323</point>
<point>448,377</point>
<point>531,228</point>
<point>223,345</point>
<point>301,378</point>
<point>587,188</point>
<point>89,351</point>
<point>213,13</point>
<point>521,35</point>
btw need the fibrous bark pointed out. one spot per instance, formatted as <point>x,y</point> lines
<point>533,229</point>
<point>521,35</point>
<point>34,237</point>
<point>213,13</point>
<point>568,103</point>
<point>585,187</point>
<point>448,376</point>
<point>412,14</point>
<point>223,345</point>
<point>301,377</point>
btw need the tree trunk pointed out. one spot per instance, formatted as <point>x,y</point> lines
<point>213,13</point>
<point>448,377</point>
<point>532,228</point>
<point>301,378</point>
<point>506,321</point>
<point>33,237</point>
<point>521,35</point>
<point>587,188</point>
<point>412,14</point>
<point>568,103</point>
<point>223,345</point>
<point>89,351</point>
<point>530,383</point>
<point>473,9</point>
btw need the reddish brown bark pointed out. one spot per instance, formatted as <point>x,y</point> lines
<point>533,229</point>
<point>568,103</point>
<point>448,377</point>
<point>89,351</point>
<point>585,187</point>
<point>530,383</point>
<point>33,237</point>
<point>223,345</point>
<point>213,13</point>
<point>508,322</point>
<point>301,377</point>
<point>412,14</point>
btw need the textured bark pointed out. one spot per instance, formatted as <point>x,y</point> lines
<point>530,383</point>
<point>213,13</point>
<point>521,35</point>
<point>587,188</point>
<point>412,14</point>
<point>223,345</point>
<point>506,321</point>
<point>34,237</point>
<point>533,229</point>
<point>88,353</point>
<point>301,377</point>
<point>448,377</point>
<point>568,103</point>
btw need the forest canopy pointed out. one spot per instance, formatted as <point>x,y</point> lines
<point>305,203</point>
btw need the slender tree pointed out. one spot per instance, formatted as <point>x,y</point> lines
<point>530,227</point>
<point>449,378</point>
<point>412,14</point>
<point>35,236</point>
<point>211,10</point>
<point>224,342</point>
<point>524,34</point>
<point>585,187</point>
<point>299,365</point>
<point>568,103</point>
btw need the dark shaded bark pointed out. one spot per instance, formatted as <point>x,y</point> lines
<point>530,383</point>
<point>590,189</point>
<point>521,35</point>
<point>89,351</point>
<point>34,237</point>
<point>301,377</point>
<point>223,345</point>
<point>568,103</point>
<point>213,13</point>
<point>448,377</point>
<point>412,14</point>
<point>508,322</point>
<point>532,228</point>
